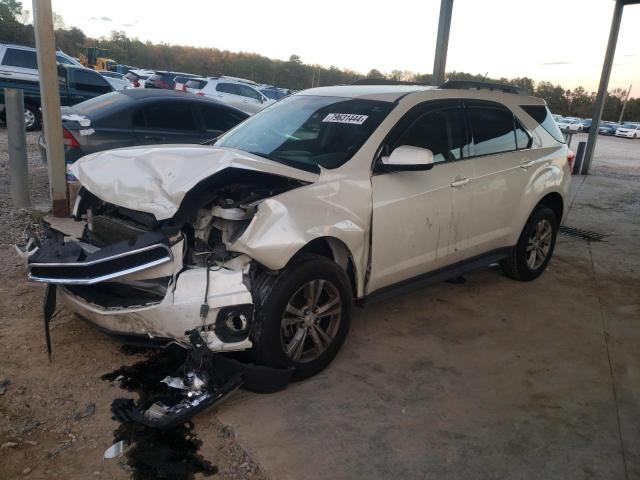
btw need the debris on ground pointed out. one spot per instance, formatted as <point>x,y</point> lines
<point>3,385</point>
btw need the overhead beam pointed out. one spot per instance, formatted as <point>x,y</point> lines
<point>50,103</point>
<point>442,42</point>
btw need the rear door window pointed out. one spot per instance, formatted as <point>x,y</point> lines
<point>492,128</point>
<point>249,92</point>
<point>90,82</point>
<point>165,116</point>
<point>231,88</point>
<point>218,119</point>
<point>542,115</point>
<point>19,58</point>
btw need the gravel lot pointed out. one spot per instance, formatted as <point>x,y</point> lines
<point>13,221</point>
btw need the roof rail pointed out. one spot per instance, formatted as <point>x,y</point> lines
<point>470,84</point>
<point>385,81</point>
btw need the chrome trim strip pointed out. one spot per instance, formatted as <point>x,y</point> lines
<point>103,278</point>
<point>106,259</point>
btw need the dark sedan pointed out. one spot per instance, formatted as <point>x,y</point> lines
<point>608,128</point>
<point>142,117</point>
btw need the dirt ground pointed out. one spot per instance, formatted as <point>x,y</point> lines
<point>55,420</point>
<point>48,426</point>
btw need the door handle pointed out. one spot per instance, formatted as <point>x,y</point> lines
<point>245,101</point>
<point>460,182</point>
<point>527,165</point>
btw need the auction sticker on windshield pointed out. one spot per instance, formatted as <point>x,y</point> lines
<point>345,118</point>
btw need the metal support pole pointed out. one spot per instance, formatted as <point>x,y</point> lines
<point>604,83</point>
<point>624,105</point>
<point>442,42</point>
<point>50,102</point>
<point>17,137</point>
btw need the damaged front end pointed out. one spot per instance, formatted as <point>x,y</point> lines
<point>134,276</point>
<point>160,266</point>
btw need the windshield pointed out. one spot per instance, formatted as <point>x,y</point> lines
<point>309,131</point>
<point>628,125</point>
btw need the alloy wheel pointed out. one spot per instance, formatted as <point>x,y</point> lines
<point>29,118</point>
<point>539,244</point>
<point>311,320</point>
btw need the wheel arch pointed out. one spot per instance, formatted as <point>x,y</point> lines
<point>336,250</point>
<point>555,202</point>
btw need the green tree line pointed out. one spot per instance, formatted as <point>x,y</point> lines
<point>292,73</point>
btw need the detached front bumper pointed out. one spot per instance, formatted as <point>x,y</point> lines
<point>141,288</point>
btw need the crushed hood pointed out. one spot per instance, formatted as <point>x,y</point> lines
<point>156,179</point>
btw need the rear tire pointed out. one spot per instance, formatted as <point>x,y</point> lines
<point>289,330</point>
<point>534,249</point>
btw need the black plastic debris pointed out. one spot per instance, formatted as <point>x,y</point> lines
<point>204,379</point>
<point>3,385</point>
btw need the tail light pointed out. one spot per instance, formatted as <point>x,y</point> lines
<point>184,87</point>
<point>200,93</point>
<point>571,157</point>
<point>68,139</point>
<point>136,83</point>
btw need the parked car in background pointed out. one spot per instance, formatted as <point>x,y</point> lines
<point>180,82</point>
<point>628,130</point>
<point>110,74</point>
<point>608,128</point>
<point>117,83</point>
<point>274,93</point>
<point>138,77</point>
<point>586,124</point>
<point>77,84</point>
<point>570,124</point>
<point>142,117</point>
<point>164,80</point>
<point>238,94</point>
<point>19,62</point>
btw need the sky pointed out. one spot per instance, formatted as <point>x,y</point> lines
<point>562,41</point>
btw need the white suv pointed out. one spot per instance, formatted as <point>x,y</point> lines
<point>19,62</point>
<point>236,93</point>
<point>262,241</point>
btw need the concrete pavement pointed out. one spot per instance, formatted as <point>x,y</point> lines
<point>491,378</point>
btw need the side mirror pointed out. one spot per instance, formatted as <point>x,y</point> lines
<point>407,158</point>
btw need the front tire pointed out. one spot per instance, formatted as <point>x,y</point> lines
<point>534,249</point>
<point>302,315</point>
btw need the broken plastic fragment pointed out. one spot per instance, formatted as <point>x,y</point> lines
<point>81,119</point>
<point>114,450</point>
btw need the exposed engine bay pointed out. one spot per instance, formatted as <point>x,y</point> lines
<point>211,218</point>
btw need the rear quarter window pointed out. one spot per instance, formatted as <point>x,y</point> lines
<point>542,115</point>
